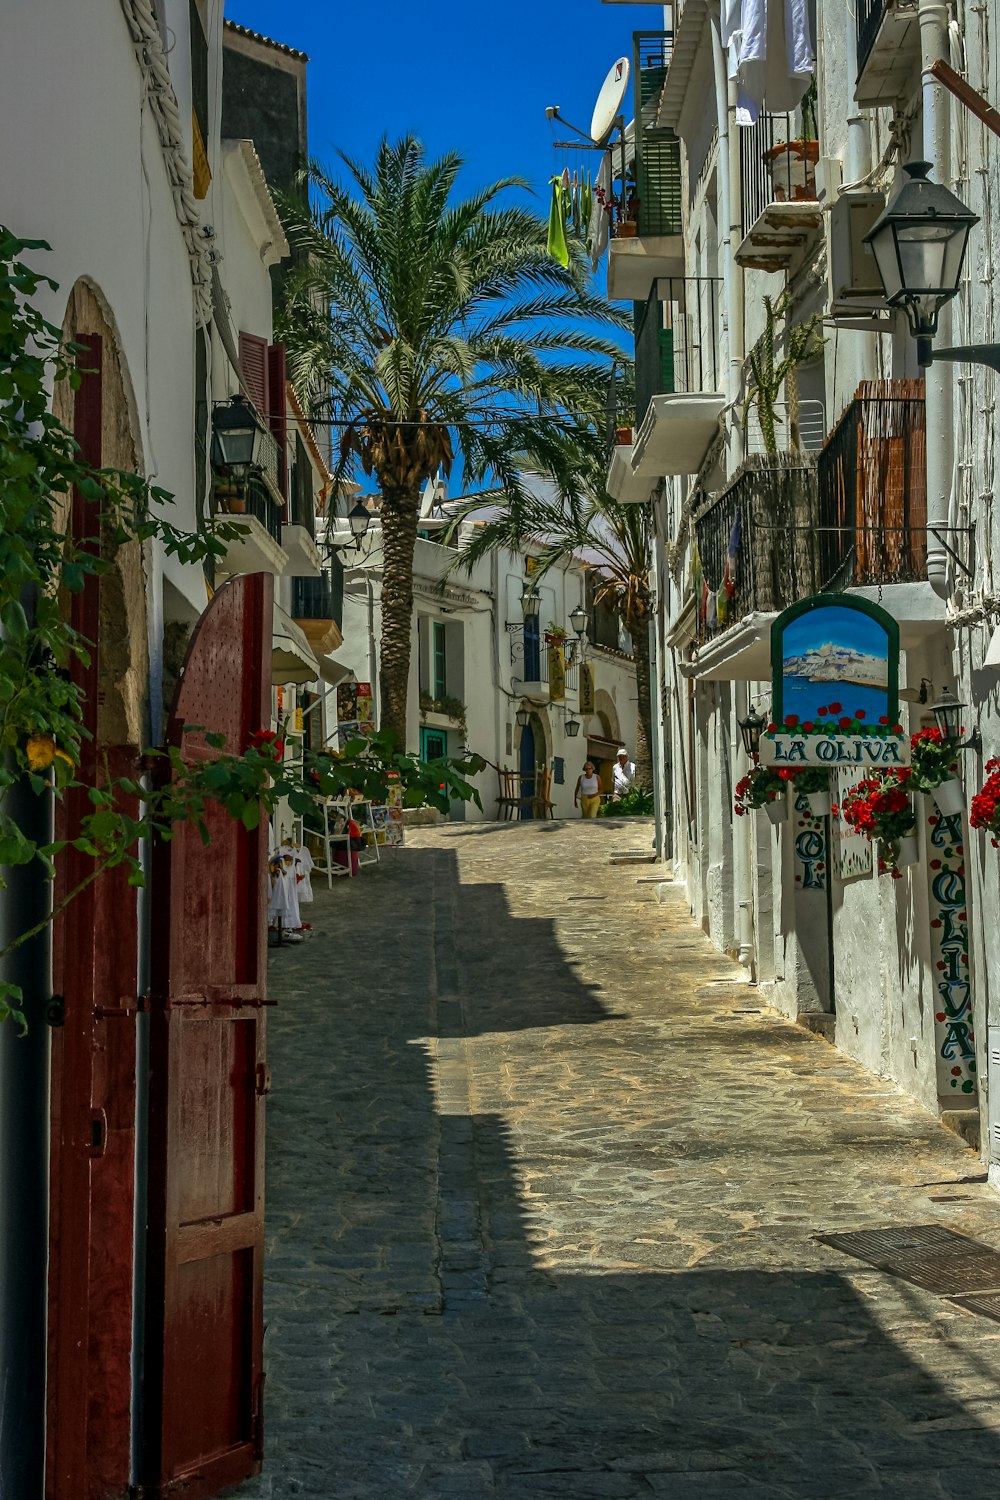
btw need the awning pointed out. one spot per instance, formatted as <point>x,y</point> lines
<point>292,657</point>
<point>332,671</point>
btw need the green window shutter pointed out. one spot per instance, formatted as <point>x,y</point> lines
<point>658,182</point>
<point>666,361</point>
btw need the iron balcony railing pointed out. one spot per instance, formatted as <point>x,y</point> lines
<point>872,473</point>
<point>868,18</point>
<point>261,504</point>
<point>777,165</point>
<point>677,339</point>
<point>320,598</point>
<point>756,543</point>
<point>652,199</point>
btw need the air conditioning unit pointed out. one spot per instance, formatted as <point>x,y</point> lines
<point>854,285</point>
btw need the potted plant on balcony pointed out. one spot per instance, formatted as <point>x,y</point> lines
<point>881,809</point>
<point>803,343</point>
<point>555,635</point>
<point>762,786</point>
<point>230,496</point>
<point>934,770</point>
<point>792,164</point>
<point>444,705</point>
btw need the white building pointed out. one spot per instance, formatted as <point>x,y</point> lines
<point>478,662</point>
<point>888,495</point>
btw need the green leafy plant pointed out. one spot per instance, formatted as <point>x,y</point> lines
<point>932,760</point>
<point>444,704</point>
<point>760,785</point>
<point>43,735</point>
<point>637,802</point>
<point>768,373</point>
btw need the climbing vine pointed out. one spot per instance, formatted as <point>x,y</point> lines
<point>42,729</point>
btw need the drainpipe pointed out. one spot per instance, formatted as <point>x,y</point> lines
<point>858,166</point>
<point>732,288</point>
<point>932,16</point>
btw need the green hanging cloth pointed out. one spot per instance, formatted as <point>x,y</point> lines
<point>587,200</point>
<point>557,225</point>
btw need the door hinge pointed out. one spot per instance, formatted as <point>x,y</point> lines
<point>263,1079</point>
<point>128,1005</point>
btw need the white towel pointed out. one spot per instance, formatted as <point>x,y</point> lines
<point>776,59</point>
<point>600,217</point>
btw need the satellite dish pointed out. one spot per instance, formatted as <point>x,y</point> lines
<point>609,101</point>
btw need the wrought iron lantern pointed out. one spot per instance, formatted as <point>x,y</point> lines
<point>235,435</point>
<point>919,242</point>
<point>531,600</point>
<point>751,728</point>
<point>572,727</point>
<point>359,519</point>
<point>522,716</point>
<point>578,620</point>
<point>948,711</point>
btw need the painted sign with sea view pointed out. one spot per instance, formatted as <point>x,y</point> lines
<point>835,687</point>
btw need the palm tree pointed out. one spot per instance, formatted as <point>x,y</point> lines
<point>427,325</point>
<point>615,538</point>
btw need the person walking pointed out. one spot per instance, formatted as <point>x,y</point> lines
<point>588,791</point>
<point>623,775</point>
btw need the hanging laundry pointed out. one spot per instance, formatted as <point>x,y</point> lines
<point>575,197</point>
<point>771,54</point>
<point>732,558</point>
<point>586,201</point>
<point>557,225</point>
<point>600,218</point>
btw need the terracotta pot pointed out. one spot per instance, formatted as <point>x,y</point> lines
<point>819,803</point>
<point>949,796</point>
<point>777,808</point>
<point>235,505</point>
<point>627,229</point>
<point>790,164</point>
<point>623,435</point>
<point>909,850</point>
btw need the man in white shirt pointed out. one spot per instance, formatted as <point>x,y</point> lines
<point>623,775</point>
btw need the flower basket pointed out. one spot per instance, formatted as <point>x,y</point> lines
<point>762,786</point>
<point>907,850</point>
<point>881,809</point>
<point>985,810</point>
<point>819,804</point>
<point>777,810</point>
<point>949,796</point>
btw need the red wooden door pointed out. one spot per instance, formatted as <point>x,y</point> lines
<point>93,1087</point>
<point>208,1076</point>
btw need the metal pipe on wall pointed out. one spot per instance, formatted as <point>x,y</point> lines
<point>932,17</point>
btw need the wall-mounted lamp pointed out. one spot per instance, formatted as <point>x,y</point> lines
<point>359,518</point>
<point>236,432</point>
<point>522,716</point>
<point>572,726</point>
<point>948,713</point>
<point>531,600</point>
<point>751,728</point>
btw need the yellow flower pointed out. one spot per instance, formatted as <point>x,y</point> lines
<point>41,751</point>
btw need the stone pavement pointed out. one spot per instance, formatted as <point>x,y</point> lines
<point>543,1176</point>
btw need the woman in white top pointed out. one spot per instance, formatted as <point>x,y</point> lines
<point>588,791</point>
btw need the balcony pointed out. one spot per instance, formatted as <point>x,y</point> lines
<point>530,669</point>
<point>318,608</point>
<point>298,535</point>
<point>678,376</point>
<point>781,217</point>
<point>853,517</point>
<point>888,51</point>
<point>252,507</point>
<point>647,239</point>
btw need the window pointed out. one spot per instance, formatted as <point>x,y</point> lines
<point>440,662</point>
<point>559,770</point>
<point>532,650</point>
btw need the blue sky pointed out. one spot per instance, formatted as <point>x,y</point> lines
<point>470,77</point>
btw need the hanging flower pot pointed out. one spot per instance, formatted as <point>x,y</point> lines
<point>819,804</point>
<point>777,809</point>
<point>791,165</point>
<point>907,850</point>
<point>949,796</point>
<point>985,810</point>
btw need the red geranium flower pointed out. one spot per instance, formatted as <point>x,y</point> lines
<point>835,708</point>
<point>859,713</point>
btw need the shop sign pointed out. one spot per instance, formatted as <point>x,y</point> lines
<point>587,695</point>
<point>953,1021</point>
<point>835,687</point>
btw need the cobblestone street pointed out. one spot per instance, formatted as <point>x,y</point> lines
<point>544,1176</point>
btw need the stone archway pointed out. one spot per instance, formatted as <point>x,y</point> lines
<point>123,652</point>
<point>603,736</point>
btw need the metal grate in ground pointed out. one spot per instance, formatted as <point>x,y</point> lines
<point>928,1255</point>
<point>987,1306</point>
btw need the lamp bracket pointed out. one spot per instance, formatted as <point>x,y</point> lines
<point>969,354</point>
<point>936,534</point>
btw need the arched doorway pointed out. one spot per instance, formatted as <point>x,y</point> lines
<point>526,766</point>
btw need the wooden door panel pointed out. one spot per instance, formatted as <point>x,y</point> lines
<point>207,1082</point>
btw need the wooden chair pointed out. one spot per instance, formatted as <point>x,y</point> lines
<point>508,796</point>
<point>542,805</point>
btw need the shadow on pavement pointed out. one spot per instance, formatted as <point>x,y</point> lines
<point>421,1339</point>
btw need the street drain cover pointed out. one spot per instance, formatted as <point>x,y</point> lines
<point>586,898</point>
<point>928,1255</point>
<point>986,1306</point>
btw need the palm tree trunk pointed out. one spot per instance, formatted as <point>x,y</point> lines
<point>644,723</point>
<point>399,535</point>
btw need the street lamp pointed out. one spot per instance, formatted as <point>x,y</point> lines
<point>751,728</point>
<point>235,434</point>
<point>359,518</point>
<point>919,242</point>
<point>572,727</point>
<point>948,713</point>
<point>578,620</point>
<point>531,600</point>
<point>522,716</point>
